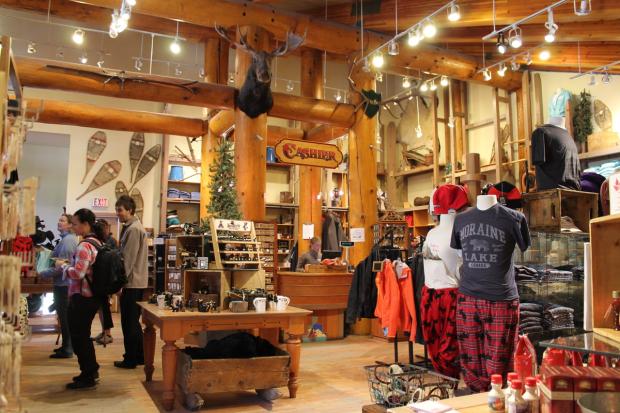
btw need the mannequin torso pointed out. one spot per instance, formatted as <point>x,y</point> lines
<point>484,202</point>
<point>441,261</point>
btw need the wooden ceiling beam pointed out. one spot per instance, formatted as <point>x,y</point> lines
<point>325,133</point>
<point>91,116</point>
<point>80,78</point>
<point>99,18</point>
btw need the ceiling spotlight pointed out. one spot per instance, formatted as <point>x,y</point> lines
<point>338,96</point>
<point>406,83</point>
<point>501,71</point>
<point>377,60</point>
<point>454,13</point>
<point>84,58</point>
<point>100,61</point>
<point>544,55</point>
<point>60,53</point>
<point>606,78</point>
<point>584,8</point>
<point>393,48</point>
<point>178,71</point>
<point>125,12</point>
<point>433,86</point>
<point>290,86</point>
<point>501,44</point>
<point>514,65</point>
<point>130,2</point>
<point>514,38</point>
<point>78,36</point>
<point>139,64</point>
<point>429,29</point>
<point>175,46</point>
<point>424,87</point>
<point>551,27</point>
<point>528,58</point>
<point>592,81</point>
<point>32,48</point>
<point>414,37</point>
<point>487,75</point>
<point>379,77</point>
<point>444,81</point>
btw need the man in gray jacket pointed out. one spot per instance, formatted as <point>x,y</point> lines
<point>134,248</point>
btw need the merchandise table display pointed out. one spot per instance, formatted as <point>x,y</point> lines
<point>175,325</point>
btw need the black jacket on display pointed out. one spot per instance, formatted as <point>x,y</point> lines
<point>363,291</point>
<point>332,233</point>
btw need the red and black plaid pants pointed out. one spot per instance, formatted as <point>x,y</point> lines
<point>487,335</point>
<point>438,311</point>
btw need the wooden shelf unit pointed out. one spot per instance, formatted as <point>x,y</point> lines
<point>266,233</point>
<point>151,261</point>
<point>251,246</point>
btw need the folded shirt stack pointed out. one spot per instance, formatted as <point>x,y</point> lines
<point>557,317</point>
<point>530,318</point>
<point>525,274</point>
<point>195,196</point>
<point>174,193</point>
<point>557,275</point>
<point>605,169</point>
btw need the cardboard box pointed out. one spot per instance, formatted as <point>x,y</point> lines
<point>608,379</point>
<point>556,390</point>
<point>584,382</point>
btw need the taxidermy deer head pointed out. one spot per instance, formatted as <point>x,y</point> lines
<point>254,96</point>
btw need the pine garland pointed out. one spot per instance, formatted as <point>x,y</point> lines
<point>582,119</point>
<point>223,195</point>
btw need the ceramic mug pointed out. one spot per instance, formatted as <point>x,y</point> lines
<point>260,304</point>
<point>161,301</point>
<point>283,302</point>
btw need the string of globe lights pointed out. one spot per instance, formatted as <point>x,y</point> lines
<point>424,29</point>
<point>601,70</point>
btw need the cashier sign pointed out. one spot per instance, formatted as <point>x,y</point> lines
<point>308,153</point>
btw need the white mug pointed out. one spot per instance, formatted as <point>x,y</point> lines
<point>283,302</point>
<point>161,301</point>
<point>260,304</point>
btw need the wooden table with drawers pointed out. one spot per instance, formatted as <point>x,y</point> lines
<point>174,326</point>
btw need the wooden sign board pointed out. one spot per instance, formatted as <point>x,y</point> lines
<point>308,153</point>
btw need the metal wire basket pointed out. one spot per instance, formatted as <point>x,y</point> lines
<point>394,385</point>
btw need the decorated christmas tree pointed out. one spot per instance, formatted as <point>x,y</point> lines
<point>223,195</point>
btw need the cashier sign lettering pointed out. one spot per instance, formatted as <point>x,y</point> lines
<point>308,153</point>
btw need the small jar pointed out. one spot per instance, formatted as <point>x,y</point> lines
<point>616,309</point>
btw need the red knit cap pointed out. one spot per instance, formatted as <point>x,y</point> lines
<point>448,197</point>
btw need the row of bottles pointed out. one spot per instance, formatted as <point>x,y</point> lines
<point>512,399</point>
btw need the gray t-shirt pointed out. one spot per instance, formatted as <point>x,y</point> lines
<point>487,239</point>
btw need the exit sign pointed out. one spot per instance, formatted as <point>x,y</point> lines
<point>100,203</point>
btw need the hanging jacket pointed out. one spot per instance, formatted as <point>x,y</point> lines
<point>363,292</point>
<point>395,302</point>
<point>332,233</point>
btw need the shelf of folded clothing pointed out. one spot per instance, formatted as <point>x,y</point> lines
<point>278,205</point>
<point>183,182</point>
<point>183,201</point>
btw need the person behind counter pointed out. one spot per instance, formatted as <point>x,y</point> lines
<point>311,257</point>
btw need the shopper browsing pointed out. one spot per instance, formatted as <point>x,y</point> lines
<point>63,252</point>
<point>83,305</point>
<point>134,249</point>
<point>105,315</point>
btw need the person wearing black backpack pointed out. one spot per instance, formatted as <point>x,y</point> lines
<point>134,249</point>
<point>83,303</point>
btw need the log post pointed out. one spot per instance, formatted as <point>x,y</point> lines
<point>250,137</point>
<point>473,177</point>
<point>216,71</point>
<point>362,172</point>
<point>310,176</point>
<point>393,194</point>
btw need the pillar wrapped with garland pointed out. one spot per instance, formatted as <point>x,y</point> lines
<point>222,192</point>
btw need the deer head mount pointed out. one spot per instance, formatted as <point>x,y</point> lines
<point>255,97</point>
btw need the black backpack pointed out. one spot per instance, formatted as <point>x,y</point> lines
<point>108,271</point>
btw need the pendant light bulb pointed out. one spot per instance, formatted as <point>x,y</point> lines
<point>338,96</point>
<point>84,58</point>
<point>429,30</point>
<point>501,71</point>
<point>32,48</point>
<point>78,36</point>
<point>582,7</point>
<point>454,13</point>
<point>393,48</point>
<point>424,87</point>
<point>433,86</point>
<point>406,83</point>
<point>551,27</point>
<point>418,132</point>
<point>414,37</point>
<point>444,82</point>
<point>377,60</point>
<point>514,38</point>
<point>514,65</point>
<point>487,75</point>
<point>175,46</point>
<point>544,55</point>
<point>501,44</point>
<point>130,3</point>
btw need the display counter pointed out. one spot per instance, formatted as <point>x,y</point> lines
<point>325,293</point>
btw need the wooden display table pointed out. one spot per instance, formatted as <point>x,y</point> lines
<point>475,403</point>
<point>325,293</point>
<point>173,326</point>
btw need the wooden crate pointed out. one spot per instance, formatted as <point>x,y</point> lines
<point>544,210</point>
<point>203,377</point>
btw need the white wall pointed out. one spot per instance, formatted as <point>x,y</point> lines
<point>46,156</point>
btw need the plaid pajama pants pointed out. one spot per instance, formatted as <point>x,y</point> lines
<point>438,311</point>
<point>487,335</point>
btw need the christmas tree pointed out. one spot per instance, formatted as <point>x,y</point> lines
<point>223,195</point>
<point>582,119</point>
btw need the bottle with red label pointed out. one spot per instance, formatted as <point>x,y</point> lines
<point>496,399</point>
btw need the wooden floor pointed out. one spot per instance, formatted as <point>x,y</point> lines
<point>332,380</point>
